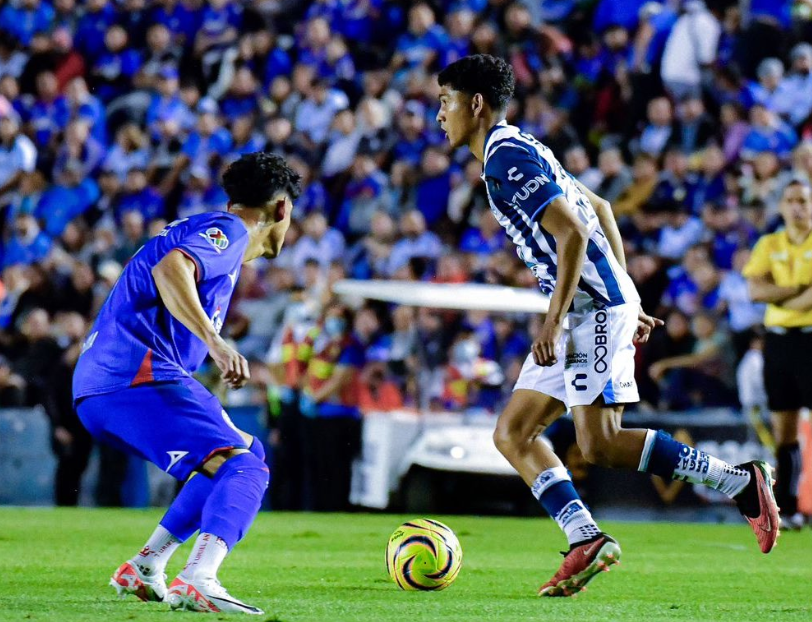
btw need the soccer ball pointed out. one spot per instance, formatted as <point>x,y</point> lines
<point>423,554</point>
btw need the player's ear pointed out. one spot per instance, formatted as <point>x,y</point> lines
<point>476,104</point>
<point>280,209</point>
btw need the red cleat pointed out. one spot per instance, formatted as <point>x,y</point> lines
<point>581,564</point>
<point>129,579</point>
<point>766,524</point>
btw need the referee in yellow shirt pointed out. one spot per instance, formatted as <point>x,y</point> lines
<point>780,273</point>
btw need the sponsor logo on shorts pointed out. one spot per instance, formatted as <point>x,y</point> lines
<point>576,382</point>
<point>628,384</point>
<point>576,359</point>
<point>601,342</point>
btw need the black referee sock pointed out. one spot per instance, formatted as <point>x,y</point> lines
<point>786,478</point>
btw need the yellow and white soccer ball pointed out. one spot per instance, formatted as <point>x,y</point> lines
<point>423,554</point>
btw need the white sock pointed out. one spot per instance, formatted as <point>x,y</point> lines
<point>574,519</point>
<point>152,559</point>
<point>700,468</point>
<point>725,477</point>
<point>577,523</point>
<point>204,561</point>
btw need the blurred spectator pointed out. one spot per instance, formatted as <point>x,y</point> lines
<point>18,155</point>
<point>24,18</point>
<point>657,134</point>
<point>416,242</point>
<point>703,377</point>
<point>315,114</point>
<point>694,127</point>
<point>576,161</point>
<point>690,50</point>
<point>616,175</point>
<point>27,243</point>
<point>791,97</point>
<point>743,315</point>
<point>319,242</point>
<point>330,402</point>
<point>644,180</point>
<point>363,196</point>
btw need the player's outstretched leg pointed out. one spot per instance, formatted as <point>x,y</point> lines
<point>144,574</point>
<point>517,437</point>
<point>604,442</point>
<point>238,487</point>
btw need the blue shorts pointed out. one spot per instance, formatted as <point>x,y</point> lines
<point>177,425</point>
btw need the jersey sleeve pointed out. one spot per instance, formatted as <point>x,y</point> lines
<point>216,246</point>
<point>521,180</point>
<point>759,262</point>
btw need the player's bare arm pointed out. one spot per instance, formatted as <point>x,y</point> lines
<point>571,241</point>
<point>645,322</point>
<point>175,279</point>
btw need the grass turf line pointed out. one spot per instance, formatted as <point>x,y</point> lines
<point>308,567</point>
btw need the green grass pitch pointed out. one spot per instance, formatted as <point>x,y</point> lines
<point>55,564</point>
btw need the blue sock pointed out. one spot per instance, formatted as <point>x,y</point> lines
<point>234,501</point>
<point>182,519</point>
<point>670,459</point>
<point>554,490</point>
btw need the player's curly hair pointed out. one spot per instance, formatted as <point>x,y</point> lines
<point>256,178</point>
<point>481,73</point>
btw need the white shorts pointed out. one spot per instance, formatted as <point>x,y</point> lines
<point>595,358</point>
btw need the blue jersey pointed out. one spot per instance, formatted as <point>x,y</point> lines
<point>135,339</point>
<point>522,177</point>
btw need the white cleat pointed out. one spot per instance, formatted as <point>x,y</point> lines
<point>795,522</point>
<point>206,596</point>
<point>129,579</point>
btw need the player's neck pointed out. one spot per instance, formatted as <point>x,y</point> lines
<point>477,142</point>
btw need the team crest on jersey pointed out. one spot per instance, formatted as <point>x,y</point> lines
<point>218,239</point>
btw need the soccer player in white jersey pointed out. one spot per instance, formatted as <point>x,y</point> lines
<point>583,357</point>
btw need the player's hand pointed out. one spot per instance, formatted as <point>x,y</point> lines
<point>543,348</point>
<point>645,324</point>
<point>233,365</point>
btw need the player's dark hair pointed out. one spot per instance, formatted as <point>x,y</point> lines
<point>481,73</point>
<point>256,178</point>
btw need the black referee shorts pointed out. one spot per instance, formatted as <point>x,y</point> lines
<point>788,369</point>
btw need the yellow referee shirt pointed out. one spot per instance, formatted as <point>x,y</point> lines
<point>789,265</point>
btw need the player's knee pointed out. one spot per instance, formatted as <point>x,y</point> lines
<point>510,440</point>
<point>257,449</point>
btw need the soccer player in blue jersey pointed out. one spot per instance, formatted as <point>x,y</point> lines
<point>133,386</point>
<point>583,358</point>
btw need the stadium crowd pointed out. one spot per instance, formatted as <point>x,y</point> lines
<point>118,116</point>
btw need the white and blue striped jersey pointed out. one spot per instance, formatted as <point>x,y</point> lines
<point>522,177</point>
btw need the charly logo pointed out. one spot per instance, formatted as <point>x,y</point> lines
<point>512,174</point>
<point>601,340</point>
<point>579,382</point>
